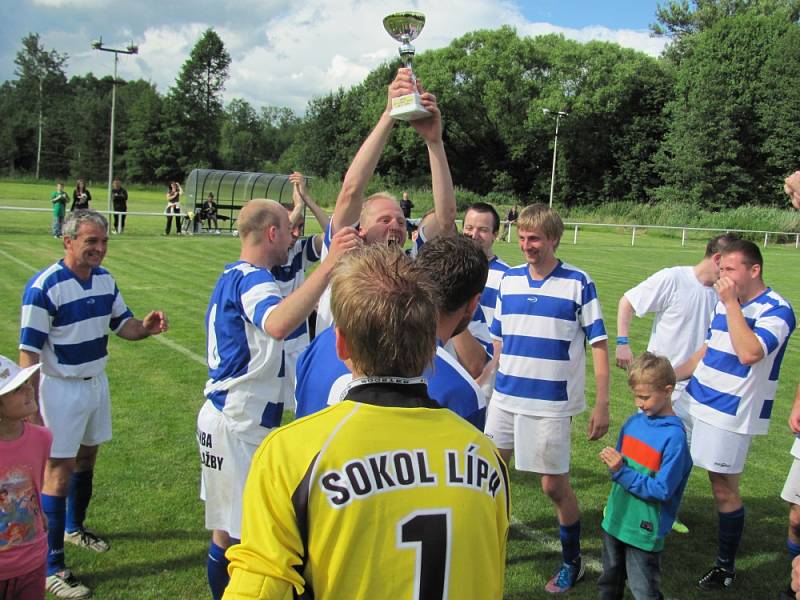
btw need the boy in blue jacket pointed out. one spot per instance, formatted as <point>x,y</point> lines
<point>649,470</point>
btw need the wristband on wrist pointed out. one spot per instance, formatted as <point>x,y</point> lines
<point>622,340</point>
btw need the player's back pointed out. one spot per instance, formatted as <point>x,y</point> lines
<point>386,502</point>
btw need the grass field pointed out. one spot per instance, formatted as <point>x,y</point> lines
<point>146,484</point>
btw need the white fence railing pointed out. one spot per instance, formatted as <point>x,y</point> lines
<point>575,225</point>
<point>683,230</point>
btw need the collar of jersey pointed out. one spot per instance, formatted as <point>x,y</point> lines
<point>414,395</point>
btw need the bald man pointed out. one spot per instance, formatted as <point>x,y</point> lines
<point>246,323</point>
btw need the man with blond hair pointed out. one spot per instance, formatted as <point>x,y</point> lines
<point>246,323</point>
<point>546,312</point>
<point>383,495</point>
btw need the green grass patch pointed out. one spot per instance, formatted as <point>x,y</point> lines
<point>146,487</point>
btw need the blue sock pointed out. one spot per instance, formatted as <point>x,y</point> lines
<point>570,541</point>
<point>731,525</point>
<point>78,497</point>
<point>794,549</point>
<point>217,570</point>
<point>55,509</point>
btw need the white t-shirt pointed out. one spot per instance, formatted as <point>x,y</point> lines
<point>683,308</point>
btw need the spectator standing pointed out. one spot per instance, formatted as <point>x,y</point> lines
<point>119,198</point>
<point>59,199</point>
<point>173,209</point>
<point>80,197</point>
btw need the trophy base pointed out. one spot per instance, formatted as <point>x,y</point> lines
<point>408,108</point>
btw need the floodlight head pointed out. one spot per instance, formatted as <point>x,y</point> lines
<point>546,111</point>
<point>97,44</point>
<point>132,48</point>
<point>561,113</point>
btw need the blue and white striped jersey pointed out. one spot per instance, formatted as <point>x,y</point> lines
<point>544,326</point>
<point>497,268</point>
<point>322,380</point>
<point>66,320</point>
<point>245,364</point>
<point>733,396</point>
<point>289,277</point>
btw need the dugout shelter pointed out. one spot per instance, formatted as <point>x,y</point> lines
<point>232,190</point>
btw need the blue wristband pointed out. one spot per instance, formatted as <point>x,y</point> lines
<point>622,340</point>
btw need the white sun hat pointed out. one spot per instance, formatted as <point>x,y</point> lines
<point>12,376</point>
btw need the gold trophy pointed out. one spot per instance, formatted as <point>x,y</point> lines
<point>405,27</point>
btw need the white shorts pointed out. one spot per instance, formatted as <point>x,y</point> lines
<point>224,463</point>
<point>77,411</point>
<point>541,444</point>
<point>791,489</point>
<point>718,450</point>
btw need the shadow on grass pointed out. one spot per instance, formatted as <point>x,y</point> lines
<point>131,569</point>
<point>163,535</point>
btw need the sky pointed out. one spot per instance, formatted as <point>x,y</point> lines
<point>285,52</point>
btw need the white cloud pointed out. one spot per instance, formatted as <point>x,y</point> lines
<point>283,53</point>
<point>629,38</point>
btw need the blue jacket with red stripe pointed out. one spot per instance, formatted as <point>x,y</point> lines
<point>647,491</point>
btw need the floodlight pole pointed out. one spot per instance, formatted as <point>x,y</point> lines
<point>558,114</point>
<point>130,49</point>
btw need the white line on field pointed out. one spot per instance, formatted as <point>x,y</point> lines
<point>159,338</point>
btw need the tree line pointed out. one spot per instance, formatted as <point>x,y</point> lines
<point>713,122</point>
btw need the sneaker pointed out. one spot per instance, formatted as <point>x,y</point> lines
<point>64,585</point>
<point>716,578</point>
<point>566,578</point>
<point>87,539</point>
<point>679,527</point>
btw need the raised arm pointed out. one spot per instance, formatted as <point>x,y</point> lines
<point>444,198</point>
<point>296,307</point>
<point>351,196</point>
<point>320,215</point>
<point>745,343</point>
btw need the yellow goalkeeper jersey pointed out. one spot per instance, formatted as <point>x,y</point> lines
<point>389,496</point>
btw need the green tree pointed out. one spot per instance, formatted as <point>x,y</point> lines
<point>143,152</point>
<point>240,143</point>
<point>718,152</point>
<point>41,83</point>
<point>194,108</point>
<point>681,20</point>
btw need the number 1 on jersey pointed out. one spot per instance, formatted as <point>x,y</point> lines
<point>428,533</point>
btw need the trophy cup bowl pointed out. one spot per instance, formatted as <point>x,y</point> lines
<point>405,27</point>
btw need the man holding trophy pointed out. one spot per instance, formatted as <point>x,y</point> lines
<point>296,541</point>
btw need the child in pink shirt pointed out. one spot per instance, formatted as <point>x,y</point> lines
<point>24,449</point>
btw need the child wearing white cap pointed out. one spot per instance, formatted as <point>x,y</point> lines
<point>24,449</point>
